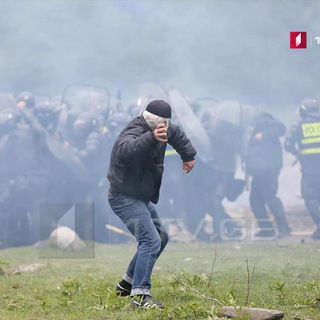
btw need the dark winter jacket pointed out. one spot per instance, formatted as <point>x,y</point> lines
<point>265,155</point>
<point>136,163</point>
<point>303,141</point>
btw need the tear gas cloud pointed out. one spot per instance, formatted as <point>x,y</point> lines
<point>229,50</point>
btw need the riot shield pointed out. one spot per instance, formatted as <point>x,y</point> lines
<point>229,120</point>
<point>207,106</point>
<point>83,98</point>
<point>149,91</point>
<point>191,124</point>
<point>249,118</point>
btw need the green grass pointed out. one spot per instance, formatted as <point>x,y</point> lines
<point>285,278</point>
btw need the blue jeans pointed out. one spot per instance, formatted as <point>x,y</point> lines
<point>144,223</point>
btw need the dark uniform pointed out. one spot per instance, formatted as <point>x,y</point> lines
<point>226,140</point>
<point>89,142</point>
<point>23,180</point>
<point>214,182</point>
<point>263,163</point>
<point>303,141</point>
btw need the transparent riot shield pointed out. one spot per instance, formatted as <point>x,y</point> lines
<point>80,98</point>
<point>191,124</point>
<point>149,91</point>
<point>76,100</point>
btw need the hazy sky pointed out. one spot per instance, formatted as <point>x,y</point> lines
<point>229,49</point>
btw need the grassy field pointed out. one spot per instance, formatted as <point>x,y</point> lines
<point>282,276</point>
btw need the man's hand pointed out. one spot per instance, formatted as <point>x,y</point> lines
<point>160,132</point>
<point>188,166</point>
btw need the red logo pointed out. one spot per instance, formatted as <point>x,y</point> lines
<point>298,40</point>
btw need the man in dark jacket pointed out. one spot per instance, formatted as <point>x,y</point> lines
<point>303,141</point>
<point>263,163</point>
<point>135,174</point>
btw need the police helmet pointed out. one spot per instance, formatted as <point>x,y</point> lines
<point>27,99</point>
<point>308,106</point>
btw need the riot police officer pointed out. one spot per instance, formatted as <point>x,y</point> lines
<point>303,141</point>
<point>215,180</point>
<point>22,176</point>
<point>263,164</point>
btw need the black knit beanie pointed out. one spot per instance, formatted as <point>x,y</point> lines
<point>159,108</point>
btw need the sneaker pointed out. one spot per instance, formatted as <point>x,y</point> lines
<point>146,301</point>
<point>123,288</point>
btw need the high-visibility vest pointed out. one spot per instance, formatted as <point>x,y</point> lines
<point>171,152</point>
<point>310,140</point>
